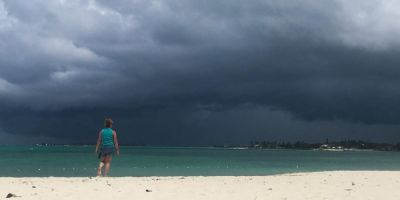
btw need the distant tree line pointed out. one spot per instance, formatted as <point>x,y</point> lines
<point>283,145</point>
<point>344,144</point>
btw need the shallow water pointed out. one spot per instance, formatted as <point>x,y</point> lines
<point>165,161</point>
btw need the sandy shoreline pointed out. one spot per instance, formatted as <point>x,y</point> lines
<point>316,185</point>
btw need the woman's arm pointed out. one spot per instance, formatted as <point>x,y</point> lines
<point>116,142</point>
<point>98,142</point>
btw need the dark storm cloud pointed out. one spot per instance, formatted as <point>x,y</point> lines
<point>157,65</point>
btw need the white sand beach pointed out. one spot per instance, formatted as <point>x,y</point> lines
<point>318,185</point>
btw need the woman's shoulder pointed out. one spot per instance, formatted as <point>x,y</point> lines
<point>104,130</point>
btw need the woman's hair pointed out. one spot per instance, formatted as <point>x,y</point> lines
<point>108,122</point>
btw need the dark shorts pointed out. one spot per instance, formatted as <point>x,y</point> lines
<point>106,151</point>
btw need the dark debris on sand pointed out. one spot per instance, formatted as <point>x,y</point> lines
<point>9,195</point>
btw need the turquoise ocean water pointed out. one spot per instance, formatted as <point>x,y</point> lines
<point>21,161</point>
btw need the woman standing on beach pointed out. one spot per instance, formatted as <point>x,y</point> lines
<point>108,141</point>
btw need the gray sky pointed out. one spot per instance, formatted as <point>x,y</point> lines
<point>173,72</point>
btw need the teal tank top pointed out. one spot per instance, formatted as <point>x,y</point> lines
<point>107,138</point>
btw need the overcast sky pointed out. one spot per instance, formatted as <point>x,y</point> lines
<point>174,72</point>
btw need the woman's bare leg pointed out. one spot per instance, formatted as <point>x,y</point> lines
<point>107,164</point>
<point>100,168</point>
